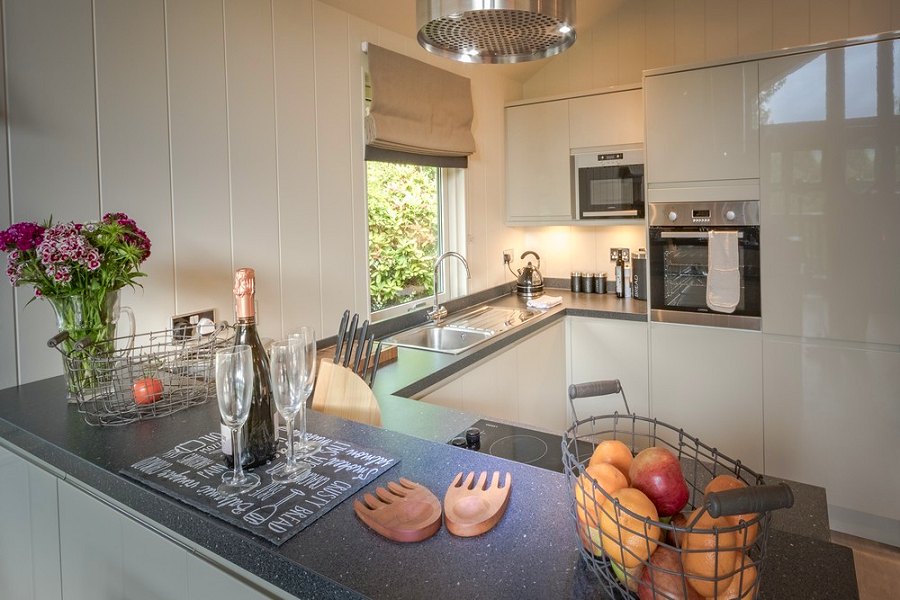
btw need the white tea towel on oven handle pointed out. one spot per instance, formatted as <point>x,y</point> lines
<point>723,281</point>
<point>544,302</point>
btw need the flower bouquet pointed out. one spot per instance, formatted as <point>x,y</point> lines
<point>78,268</point>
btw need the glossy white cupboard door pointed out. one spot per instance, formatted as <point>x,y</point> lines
<point>29,542</point>
<point>449,395</point>
<point>537,163</point>
<point>832,419</point>
<point>708,380</point>
<point>541,377</point>
<point>490,389</point>
<point>208,582</point>
<point>830,194</point>
<point>702,124</point>
<point>606,119</point>
<point>609,349</point>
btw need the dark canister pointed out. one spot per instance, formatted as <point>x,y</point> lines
<point>600,286</point>
<point>575,281</point>
<point>587,283</point>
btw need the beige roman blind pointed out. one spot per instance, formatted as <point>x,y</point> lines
<point>419,114</point>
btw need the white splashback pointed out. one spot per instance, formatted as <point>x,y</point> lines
<point>232,133</point>
<point>564,249</point>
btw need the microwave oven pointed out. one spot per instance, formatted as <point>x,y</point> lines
<point>609,183</point>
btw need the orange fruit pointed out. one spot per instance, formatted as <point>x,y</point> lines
<point>588,500</point>
<point>626,539</point>
<point>742,582</point>
<point>615,453</point>
<point>710,557</point>
<point>729,482</point>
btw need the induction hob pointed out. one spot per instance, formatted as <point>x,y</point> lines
<point>520,444</point>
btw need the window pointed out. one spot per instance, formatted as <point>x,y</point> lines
<point>414,214</point>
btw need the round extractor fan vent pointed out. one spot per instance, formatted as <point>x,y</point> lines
<point>494,31</point>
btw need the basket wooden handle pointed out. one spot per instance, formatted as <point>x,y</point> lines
<point>753,499</point>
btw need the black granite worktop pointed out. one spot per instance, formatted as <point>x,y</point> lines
<point>532,553</point>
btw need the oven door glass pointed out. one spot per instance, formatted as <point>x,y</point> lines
<point>605,190</point>
<point>679,266</point>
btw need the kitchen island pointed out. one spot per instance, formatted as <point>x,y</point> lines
<point>532,553</point>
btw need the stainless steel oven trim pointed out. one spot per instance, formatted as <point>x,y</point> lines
<point>690,235</point>
<point>611,213</point>
<point>707,319</point>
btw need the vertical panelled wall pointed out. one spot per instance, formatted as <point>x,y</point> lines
<point>628,36</point>
<point>231,130</point>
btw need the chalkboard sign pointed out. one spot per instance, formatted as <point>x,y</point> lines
<point>192,470</point>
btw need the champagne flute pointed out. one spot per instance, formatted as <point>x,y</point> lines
<point>286,366</point>
<point>234,390</point>
<point>305,338</point>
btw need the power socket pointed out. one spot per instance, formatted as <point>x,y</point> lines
<point>185,327</point>
<point>507,256</point>
<point>614,254</point>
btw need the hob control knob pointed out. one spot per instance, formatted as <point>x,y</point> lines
<point>673,215</point>
<point>730,215</point>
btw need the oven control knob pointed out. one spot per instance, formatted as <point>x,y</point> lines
<point>729,215</point>
<point>673,215</point>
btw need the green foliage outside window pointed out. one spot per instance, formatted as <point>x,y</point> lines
<point>403,232</point>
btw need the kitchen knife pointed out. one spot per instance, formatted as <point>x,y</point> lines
<point>351,334</point>
<point>338,344</point>
<point>377,358</point>
<point>359,347</point>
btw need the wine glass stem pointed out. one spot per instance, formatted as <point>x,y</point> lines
<point>236,449</point>
<point>303,422</point>
<point>290,440</point>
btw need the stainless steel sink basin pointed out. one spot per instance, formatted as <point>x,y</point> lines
<point>439,338</point>
<point>462,332</point>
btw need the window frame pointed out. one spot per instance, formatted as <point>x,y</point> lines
<point>451,236</point>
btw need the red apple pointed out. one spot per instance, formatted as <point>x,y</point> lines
<point>147,390</point>
<point>657,473</point>
<point>664,578</point>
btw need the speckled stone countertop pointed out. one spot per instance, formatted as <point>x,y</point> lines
<point>532,553</point>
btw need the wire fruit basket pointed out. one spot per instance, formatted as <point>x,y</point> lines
<point>143,376</point>
<point>713,547</point>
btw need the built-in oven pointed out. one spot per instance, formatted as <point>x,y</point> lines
<point>679,263</point>
<point>608,183</point>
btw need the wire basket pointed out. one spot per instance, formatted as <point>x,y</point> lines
<point>140,377</point>
<point>714,547</point>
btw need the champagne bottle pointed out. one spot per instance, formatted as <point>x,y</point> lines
<point>258,440</point>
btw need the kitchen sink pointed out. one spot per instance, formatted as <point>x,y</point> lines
<point>462,332</point>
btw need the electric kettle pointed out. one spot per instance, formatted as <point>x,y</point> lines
<point>529,282</point>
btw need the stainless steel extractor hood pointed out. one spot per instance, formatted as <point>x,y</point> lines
<point>495,31</point>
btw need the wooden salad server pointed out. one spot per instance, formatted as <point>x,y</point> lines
<point>471,510</point>
<point>404,512</point>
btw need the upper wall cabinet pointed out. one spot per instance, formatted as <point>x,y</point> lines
<point>606,119</point>
<point>702,125</point>
<point>537,163</point>
<point>539,141</point>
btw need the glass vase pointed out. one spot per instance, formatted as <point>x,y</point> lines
<point>89,318</point>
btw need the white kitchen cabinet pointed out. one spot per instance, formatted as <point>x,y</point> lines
<point>541,378</point>
<point>105,554</point>
<point>29,531</point>
<point>829,208</point>
<point>702,125</point>
<point>609,349</point>
<point>537,163</point>
<point>832,419</point>
<point>606,119</point>
<point>708,380</point>
<point>525,383</point>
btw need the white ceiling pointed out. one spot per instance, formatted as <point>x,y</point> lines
<point>400,16</point>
